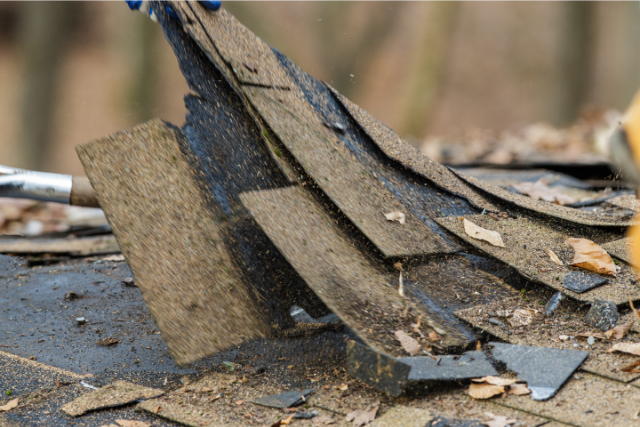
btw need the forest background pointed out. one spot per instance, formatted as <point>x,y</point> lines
<point>74,71</point>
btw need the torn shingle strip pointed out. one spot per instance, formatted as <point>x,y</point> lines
<point>116,394</point>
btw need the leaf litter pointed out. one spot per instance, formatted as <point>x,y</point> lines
<point>487,387</point>
<point>498,421</point>
<point>360,418</point>
<point>592,257</point>
<point>395,216</point>
<point>10,405</point>
<point>539,190</point>
<point>408,343</point>
<point>477,232</point>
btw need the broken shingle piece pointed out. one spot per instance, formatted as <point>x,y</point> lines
<point>581,281</point>
<point>543,369</point>
<point>473,364</point>
<point>378,370</point>
<point>117,394</point>
<point>602,315</point>
<point>284,400</point>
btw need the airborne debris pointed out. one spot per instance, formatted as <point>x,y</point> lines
<point>116,394</point>
<point>284,400</point>
<point>480,233</point>
<point>471,364</point>
<point>395,216</point>
<point>592,257</point>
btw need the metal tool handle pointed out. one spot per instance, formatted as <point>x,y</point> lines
<point>47,187</point>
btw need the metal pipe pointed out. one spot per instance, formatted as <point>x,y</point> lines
<point>46,187</point>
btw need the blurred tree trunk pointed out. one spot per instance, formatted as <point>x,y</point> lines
<point>44,34</point>
<point>140,46</point>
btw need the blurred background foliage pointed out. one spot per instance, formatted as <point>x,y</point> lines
<point>74,71</point>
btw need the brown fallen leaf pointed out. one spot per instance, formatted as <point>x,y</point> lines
<point>360,418</point>
<point>484,390</point>
<point>521,317</point>
<point>623,347</point>
<point>433,337</point>
<point>343,387</point>
<point>539,190</point>
<point>395,216</point>
<point>286,421</point>
<point>563,337</point>
<point>498,421</point>
<point>409,344</point>
<point>591,257</point>
<point>129,423</point>
<point>158,409</point>
<point>480,233</point>
<point>518,389</point>
<point>554,257</point>
<point>632,368</point>
<point>9,406</point>
<point>494,380</point>
<point>107,342</point>
<point>619,331</point>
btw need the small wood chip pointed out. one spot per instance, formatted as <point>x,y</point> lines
<point>554,257</point>
<point>9,406</point>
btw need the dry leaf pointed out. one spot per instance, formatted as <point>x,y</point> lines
<point>619,331</point>
<point>400,288</point>
<point>591,257</point>
<point>630,348</point>
<point>484,390</point>
<point>539,190</point>
<point>323,420</point>
<point>498,421</point>
<point>158,409</point>
<point>521,317</point>
<point>632,368</point>
<point>395,216</point>
<point>127,423</point>
<point>554,257</point>
<point>409,344</point>
<point>494,380</point>
<point>360,418</point>
<point>9,406</point>
<point>480,233</point>
<point>398,266</point>
<point>286,421</point>
<point>519,389</point>
<point>563,337</point>
<point>343,387</point>
<point>433,337</point>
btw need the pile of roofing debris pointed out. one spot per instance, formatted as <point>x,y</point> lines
<point>279,192</point>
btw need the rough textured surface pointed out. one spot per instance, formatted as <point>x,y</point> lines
<point>545,208</point>
<point>352,186</point>
<point>341,275</point>
<point>473,364</point>
<point>250,58</point>
<point>590,401</point>
<point>159,212</point>
<point>117,394</point>
<point>284,400</point>
<point>543,369</point>
<point>387,374</point>
<point>526,242</point>
<point>581,281</point>
<point>560,330</point>
<point>620,249</point>
<point>629,202</point>
<point>602,315</point>
<point>404,416</point>
<point>410,157</point>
